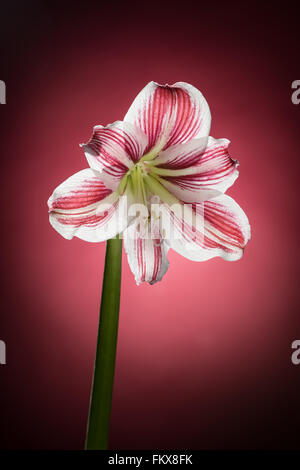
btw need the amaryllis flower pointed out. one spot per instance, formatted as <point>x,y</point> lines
<point>161,159</point>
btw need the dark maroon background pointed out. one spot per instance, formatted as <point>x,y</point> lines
<point>204,358</point>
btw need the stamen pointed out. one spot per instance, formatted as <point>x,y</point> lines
<point>167,172</point>
<point>122,184</point>
<point>157,188</point>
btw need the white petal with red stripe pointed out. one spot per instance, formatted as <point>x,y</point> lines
<point>211,169</point>
<point>170,114</point>
<point>83,207</point>
<point>182,156</point>
<point>114,149</point>
<point>146,252</point>
<point>217,227</point>
<point>188,195</point>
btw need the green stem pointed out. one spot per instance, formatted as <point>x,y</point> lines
<point>101,397</point>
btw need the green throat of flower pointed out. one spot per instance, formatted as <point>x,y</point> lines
<point>143,181</point>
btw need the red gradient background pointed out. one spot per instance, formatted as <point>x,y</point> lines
<point>204,357</point>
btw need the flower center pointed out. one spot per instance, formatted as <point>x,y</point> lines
<point>135,181</point>
<point>142,181</point>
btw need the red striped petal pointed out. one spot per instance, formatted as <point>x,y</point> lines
<point>113,149</point>
<point>169,115</point>
<point>218,227</point>
<point>182,156</point>
<point>146,252</point>
<point>83,207</point>
<point>212,170</point>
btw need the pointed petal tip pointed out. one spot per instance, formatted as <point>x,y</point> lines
<point>167,120</point>
<point>147,259</point>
